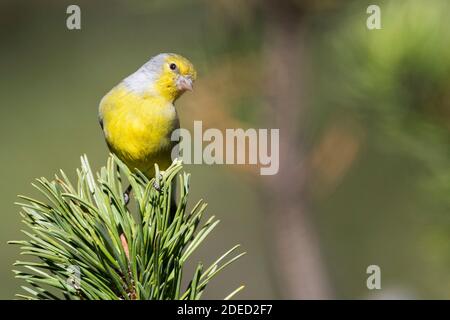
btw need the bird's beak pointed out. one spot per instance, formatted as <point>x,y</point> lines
<point>185,83</point>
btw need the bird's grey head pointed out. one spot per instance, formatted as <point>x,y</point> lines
<point>166,74</point>
<point>143,79</point>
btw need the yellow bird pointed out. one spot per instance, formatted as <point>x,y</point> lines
<point>138,115</point>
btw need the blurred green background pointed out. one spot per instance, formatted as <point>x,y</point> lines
<point>364,118</point>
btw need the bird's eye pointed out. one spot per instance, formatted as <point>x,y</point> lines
<point>173,66</point>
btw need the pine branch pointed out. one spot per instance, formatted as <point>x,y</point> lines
<point>87,244</point>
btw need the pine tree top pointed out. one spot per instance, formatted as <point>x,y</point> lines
<point>76,237</point>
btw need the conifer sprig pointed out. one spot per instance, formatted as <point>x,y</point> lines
<point>77,235</point>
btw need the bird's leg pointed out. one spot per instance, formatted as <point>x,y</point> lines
<point>126,194</point>
<point>126,198</point>
<point>158,178</point>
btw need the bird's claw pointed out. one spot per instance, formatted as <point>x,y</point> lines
<point>156,183</point>
<point>126,195</point>
<point>126,198</point>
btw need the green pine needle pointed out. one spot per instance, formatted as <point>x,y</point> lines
<point>77,236</point>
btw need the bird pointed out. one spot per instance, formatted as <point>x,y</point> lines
<point>138,115</point>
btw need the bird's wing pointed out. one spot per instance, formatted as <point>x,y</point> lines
<point>100,120</point>
<point>101,107</point>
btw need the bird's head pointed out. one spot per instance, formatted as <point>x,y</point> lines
<point>167,75</point>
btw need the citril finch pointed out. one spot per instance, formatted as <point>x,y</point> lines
<point>138,115</point>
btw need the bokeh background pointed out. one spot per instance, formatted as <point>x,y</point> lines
<point>364,120</point>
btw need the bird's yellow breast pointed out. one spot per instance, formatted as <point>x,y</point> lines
<point>138,128</point>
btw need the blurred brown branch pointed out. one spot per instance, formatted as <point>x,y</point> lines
<point>297,249</point>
